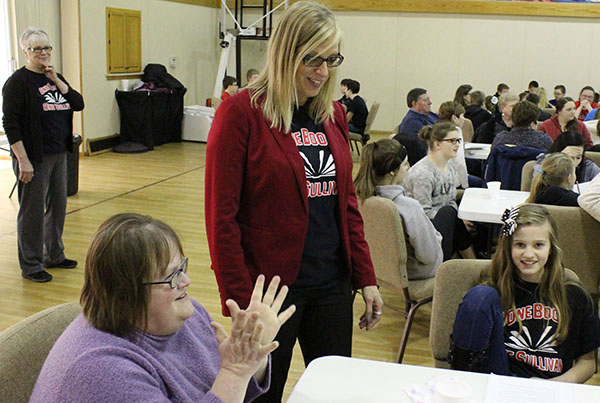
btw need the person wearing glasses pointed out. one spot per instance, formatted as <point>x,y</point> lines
<point>142,338</point>
<point>279,195</point>
<point>585,103</point>
<point>38,106</point>
<point>523,132</point>
<point>433,181</point>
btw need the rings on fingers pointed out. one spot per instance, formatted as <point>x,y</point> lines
<point>378,313</point>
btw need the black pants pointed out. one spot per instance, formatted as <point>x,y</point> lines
<point>453,230</point>
<point>323,326</point>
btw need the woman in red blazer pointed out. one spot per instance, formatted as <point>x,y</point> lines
<point>279,195</point>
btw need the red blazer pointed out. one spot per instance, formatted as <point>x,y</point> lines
<point>257,204</point>
<point>552,128</point>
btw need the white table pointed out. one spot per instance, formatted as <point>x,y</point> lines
<point>477,151</point>
<point>476,204</point>
<point>341,379</point>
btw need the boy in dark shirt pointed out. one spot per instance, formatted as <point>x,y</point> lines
<point>356,109</point>
<point>343,88</point>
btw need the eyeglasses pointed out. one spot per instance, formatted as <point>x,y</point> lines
<point>316,61</point>
<point>453,141</point>
<point>174,278</point>
<point>38,49</point>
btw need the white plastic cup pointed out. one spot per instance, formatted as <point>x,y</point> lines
<point>124,85</point>
<point>451,390</point>
<point>494,189</point>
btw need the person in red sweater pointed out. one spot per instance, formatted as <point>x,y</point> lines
<point>565,120</point>
<point>586,102</point>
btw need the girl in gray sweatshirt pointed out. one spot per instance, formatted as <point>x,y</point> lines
<point>433,181</point>
<point>382,168</point>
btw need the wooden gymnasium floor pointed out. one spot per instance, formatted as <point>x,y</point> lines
<point>167,183</point>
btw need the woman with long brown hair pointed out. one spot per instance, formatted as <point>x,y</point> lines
<point>529,321</point>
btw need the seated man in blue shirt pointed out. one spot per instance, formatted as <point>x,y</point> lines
<point>419,114</point>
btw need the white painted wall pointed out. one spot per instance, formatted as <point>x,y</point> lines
<point>390,53</point>
<point>185,31</point>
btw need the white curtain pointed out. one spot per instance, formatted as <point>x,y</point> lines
<point>43,14</point>
<point>5,53</point>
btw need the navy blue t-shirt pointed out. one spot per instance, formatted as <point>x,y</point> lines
<point>55,112</point>
<point>321,259</point>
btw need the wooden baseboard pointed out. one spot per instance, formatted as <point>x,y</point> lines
<point>101,145</point>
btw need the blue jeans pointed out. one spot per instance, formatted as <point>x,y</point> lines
<point>476,182</point>
<point>479,324</point>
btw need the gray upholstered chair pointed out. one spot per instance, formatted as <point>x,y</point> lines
<point>592,126</point>
<point>578,235</point>
<point>356,138</point>
<point>384,232</point>
<point>593,156</point>
<point>25,346</point>
<point>550,111</point>
<point>527,176</point>
<point>527,171</point>
<point>467,131</point>
<point>452,281</point>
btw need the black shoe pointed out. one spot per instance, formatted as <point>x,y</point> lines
<point>468,360</point>
<point>39,276</point>
<point>65,264</point>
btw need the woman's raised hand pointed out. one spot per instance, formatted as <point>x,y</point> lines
<point>267,307</point>
<point>242,353</point>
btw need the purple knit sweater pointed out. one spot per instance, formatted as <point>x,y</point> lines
<point>89,365</point>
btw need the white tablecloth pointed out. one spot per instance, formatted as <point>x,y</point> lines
<point>477,205</point>
<point>351,380</point>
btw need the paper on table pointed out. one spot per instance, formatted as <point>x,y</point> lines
<point>581,187</point>
<point>511,389</point>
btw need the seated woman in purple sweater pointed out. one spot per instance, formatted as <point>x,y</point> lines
<point>523,133</point>
<point>142,338</point>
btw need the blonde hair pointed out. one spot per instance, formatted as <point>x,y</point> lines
<point>303,27</point>
<point>551,289</point>
<point>506,98</point>
<point>554,171</point>
<point>543,98</point>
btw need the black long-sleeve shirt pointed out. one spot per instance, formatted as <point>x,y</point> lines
<point>22,111</point>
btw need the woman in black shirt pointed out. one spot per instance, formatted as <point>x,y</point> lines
<point>38,110</point>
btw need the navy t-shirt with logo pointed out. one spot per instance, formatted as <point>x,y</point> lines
<point>321,259</point>
<point>532,352</point>
<point>56,113</point>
